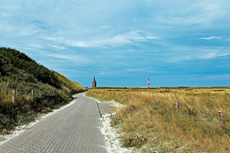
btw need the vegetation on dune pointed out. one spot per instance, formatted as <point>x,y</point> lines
<point>69,85</point>
<point>47,95</point>
<point>22,61</point>
<point>151,115</point>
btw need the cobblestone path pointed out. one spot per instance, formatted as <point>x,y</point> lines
<point>105,108</point>
<point>76,128</point>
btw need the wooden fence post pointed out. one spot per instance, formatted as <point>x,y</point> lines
<point>221,115</point>
<point>177,106</point>
<point>32,94</point>
<point>13,97</point>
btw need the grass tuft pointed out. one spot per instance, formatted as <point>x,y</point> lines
<point>196,126</point>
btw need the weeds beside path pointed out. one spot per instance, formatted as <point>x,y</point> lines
<point>73,129</point>
<point>28,89</point>
<point>151,119</point>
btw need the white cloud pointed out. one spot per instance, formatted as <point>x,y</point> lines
<point>18,31</point>
<point>38,46</point>
<point>75,58</point>
<point>4,15</point>
<point>179,14</point>
<point>151,37</point>
<point>208,56</point>
<point>105,27</point>
<point>117,40</point>
<point>67,70</point>
<point>219,76</point>
<point>114,41</point>
<point>119,33</point>
<point>211,37</point>
<point>56,47</point>
<point>136,69</point>
<point>214,54</point>
<point>183,53</point>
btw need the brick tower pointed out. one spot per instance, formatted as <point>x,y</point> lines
<point>94,83</point>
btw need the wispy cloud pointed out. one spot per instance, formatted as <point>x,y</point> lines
<point>114,41</point>
<point>4,15</point>
<point>136,69</point>
<point>117,40</point>
<point>114,38</point>
<point>193,53</point>
<point>211,37</point>
<point>58,47</point>
<point>219,76</point>
<point>76,58</point>
<point>105,27</point>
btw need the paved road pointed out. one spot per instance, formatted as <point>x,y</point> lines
<point>73,129</point>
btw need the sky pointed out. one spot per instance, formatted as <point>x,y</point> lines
<point>123,43</point>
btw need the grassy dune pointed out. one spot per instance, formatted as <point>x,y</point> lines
<point>21,74</point>
<point>69,85</point>
<point>150,118</point>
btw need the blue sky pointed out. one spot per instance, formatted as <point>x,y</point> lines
<point>123,43</point>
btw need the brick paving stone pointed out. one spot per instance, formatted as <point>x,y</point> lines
<point>105,108</point>
<point>75,128</point>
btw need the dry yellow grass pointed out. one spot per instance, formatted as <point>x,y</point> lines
<point>5,94</point>
<point>69,85</point>
<point>195,127</point>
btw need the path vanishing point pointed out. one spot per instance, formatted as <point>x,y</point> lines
<point>74,129</point>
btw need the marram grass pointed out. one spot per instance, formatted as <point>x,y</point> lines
<point>195,126</point>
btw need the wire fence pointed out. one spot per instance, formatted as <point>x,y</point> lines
<point>20,94</point>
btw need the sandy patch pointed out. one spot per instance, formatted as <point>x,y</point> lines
<point>112,138</point>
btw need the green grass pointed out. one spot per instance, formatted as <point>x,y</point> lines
<point>46,97</point>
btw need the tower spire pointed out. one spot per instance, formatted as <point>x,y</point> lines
<point>94,83</point>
